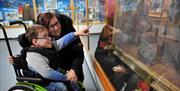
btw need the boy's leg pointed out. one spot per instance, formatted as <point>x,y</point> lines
<point>56,86</point>
<point>72,86</point>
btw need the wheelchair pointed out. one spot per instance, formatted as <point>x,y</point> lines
<point>25,83</point>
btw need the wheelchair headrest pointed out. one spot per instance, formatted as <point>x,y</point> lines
<point>23,41</point>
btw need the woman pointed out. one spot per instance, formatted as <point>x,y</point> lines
<point>72,55</point>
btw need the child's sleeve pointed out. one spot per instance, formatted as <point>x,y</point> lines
<point>38,63</point>
<point>64,41</point>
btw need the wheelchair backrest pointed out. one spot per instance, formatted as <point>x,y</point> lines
<point>23,41</point>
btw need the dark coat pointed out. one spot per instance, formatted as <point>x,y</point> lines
<point>72,56</point>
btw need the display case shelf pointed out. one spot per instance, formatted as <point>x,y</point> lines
<point>157,81</point>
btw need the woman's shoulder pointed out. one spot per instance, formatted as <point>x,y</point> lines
<point>64,18</point>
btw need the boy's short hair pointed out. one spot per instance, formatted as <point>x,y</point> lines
<point>33,31</point>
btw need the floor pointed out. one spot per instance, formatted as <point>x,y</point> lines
<point>7,75</point>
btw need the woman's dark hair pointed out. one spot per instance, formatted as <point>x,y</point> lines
<point>44,19</point>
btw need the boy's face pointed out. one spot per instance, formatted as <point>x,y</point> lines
<point>43,40</point>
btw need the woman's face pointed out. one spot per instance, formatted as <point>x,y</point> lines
<point>54,28</point>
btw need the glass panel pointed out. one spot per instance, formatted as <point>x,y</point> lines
<point>50,4</point>
<point>80,9</point>
<point>12,10</point>
<point>95,11</point>
<point>149,30</point>
<point>117,72</point>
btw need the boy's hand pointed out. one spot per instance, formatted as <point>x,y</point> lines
<point>71,75</point>
<point>83,32</point>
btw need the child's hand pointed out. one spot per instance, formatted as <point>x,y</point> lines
<point>83,32</point>
<point>68,75</point>
<point>11,59</point>
<point>71,75</point>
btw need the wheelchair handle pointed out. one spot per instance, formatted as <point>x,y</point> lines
<point>18,22</point>
<point>6,38</point>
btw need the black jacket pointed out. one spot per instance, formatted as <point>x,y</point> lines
<point>72,56</point>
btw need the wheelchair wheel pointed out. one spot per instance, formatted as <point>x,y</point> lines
<point>21,88</point>
<point>81,85</point>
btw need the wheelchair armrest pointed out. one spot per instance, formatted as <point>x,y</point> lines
<point>29,79</point>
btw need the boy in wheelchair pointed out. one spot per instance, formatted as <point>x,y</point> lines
<point>42,60</point>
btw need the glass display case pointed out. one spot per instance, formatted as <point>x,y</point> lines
<point>147,32</point>
<point>140,48</point>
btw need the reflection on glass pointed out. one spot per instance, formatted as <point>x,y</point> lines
<point>149,30</point>
<point>115,69</point>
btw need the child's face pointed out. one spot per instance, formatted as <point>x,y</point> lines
<point>43,40</point>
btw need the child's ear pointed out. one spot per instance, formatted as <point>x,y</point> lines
<point>34,41</point>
